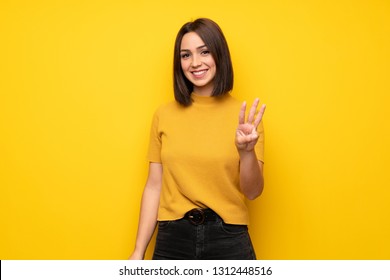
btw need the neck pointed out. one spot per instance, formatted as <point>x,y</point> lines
<point>206,90</point>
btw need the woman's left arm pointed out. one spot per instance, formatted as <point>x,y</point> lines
<point>251,169</point>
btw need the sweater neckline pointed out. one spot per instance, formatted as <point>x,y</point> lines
<point>200,99</point>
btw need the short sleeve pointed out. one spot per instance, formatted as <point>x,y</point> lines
<point>154,151</point>
<point>259,148</point>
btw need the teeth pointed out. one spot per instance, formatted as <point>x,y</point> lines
<point>198,73</point>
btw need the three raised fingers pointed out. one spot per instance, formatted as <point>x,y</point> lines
<point>252,113</point>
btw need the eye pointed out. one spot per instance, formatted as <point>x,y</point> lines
<point>185,55</point>
<point>205,52</point>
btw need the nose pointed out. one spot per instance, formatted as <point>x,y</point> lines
<point>196,61</point>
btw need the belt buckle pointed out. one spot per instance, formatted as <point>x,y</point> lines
<point>196,216</point>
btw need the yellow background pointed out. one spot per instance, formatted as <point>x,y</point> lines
<point>80,80</point>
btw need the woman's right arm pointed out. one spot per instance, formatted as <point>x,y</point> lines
<point>149,208</point>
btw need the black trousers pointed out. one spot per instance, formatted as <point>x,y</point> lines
<point>211,240</point>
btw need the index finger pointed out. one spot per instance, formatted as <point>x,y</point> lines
<point>241,116</point>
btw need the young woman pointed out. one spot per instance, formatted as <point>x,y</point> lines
<point>205,157</point>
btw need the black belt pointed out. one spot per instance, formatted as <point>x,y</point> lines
<point>198,216</point>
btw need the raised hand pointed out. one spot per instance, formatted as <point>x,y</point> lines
<point>246,133</point>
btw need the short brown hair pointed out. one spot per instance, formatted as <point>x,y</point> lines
<point>212,36</point>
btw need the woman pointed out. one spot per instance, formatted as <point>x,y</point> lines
<point>199,175</point>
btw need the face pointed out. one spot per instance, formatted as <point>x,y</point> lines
<point>197,63</point>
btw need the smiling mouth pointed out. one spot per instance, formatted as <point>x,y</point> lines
<point>199,73</point>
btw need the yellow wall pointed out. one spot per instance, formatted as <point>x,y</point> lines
<point>79,81</point>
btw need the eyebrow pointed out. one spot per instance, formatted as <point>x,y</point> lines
<point>200,47</point>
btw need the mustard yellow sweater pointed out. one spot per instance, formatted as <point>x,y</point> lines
<point>200,161</point>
